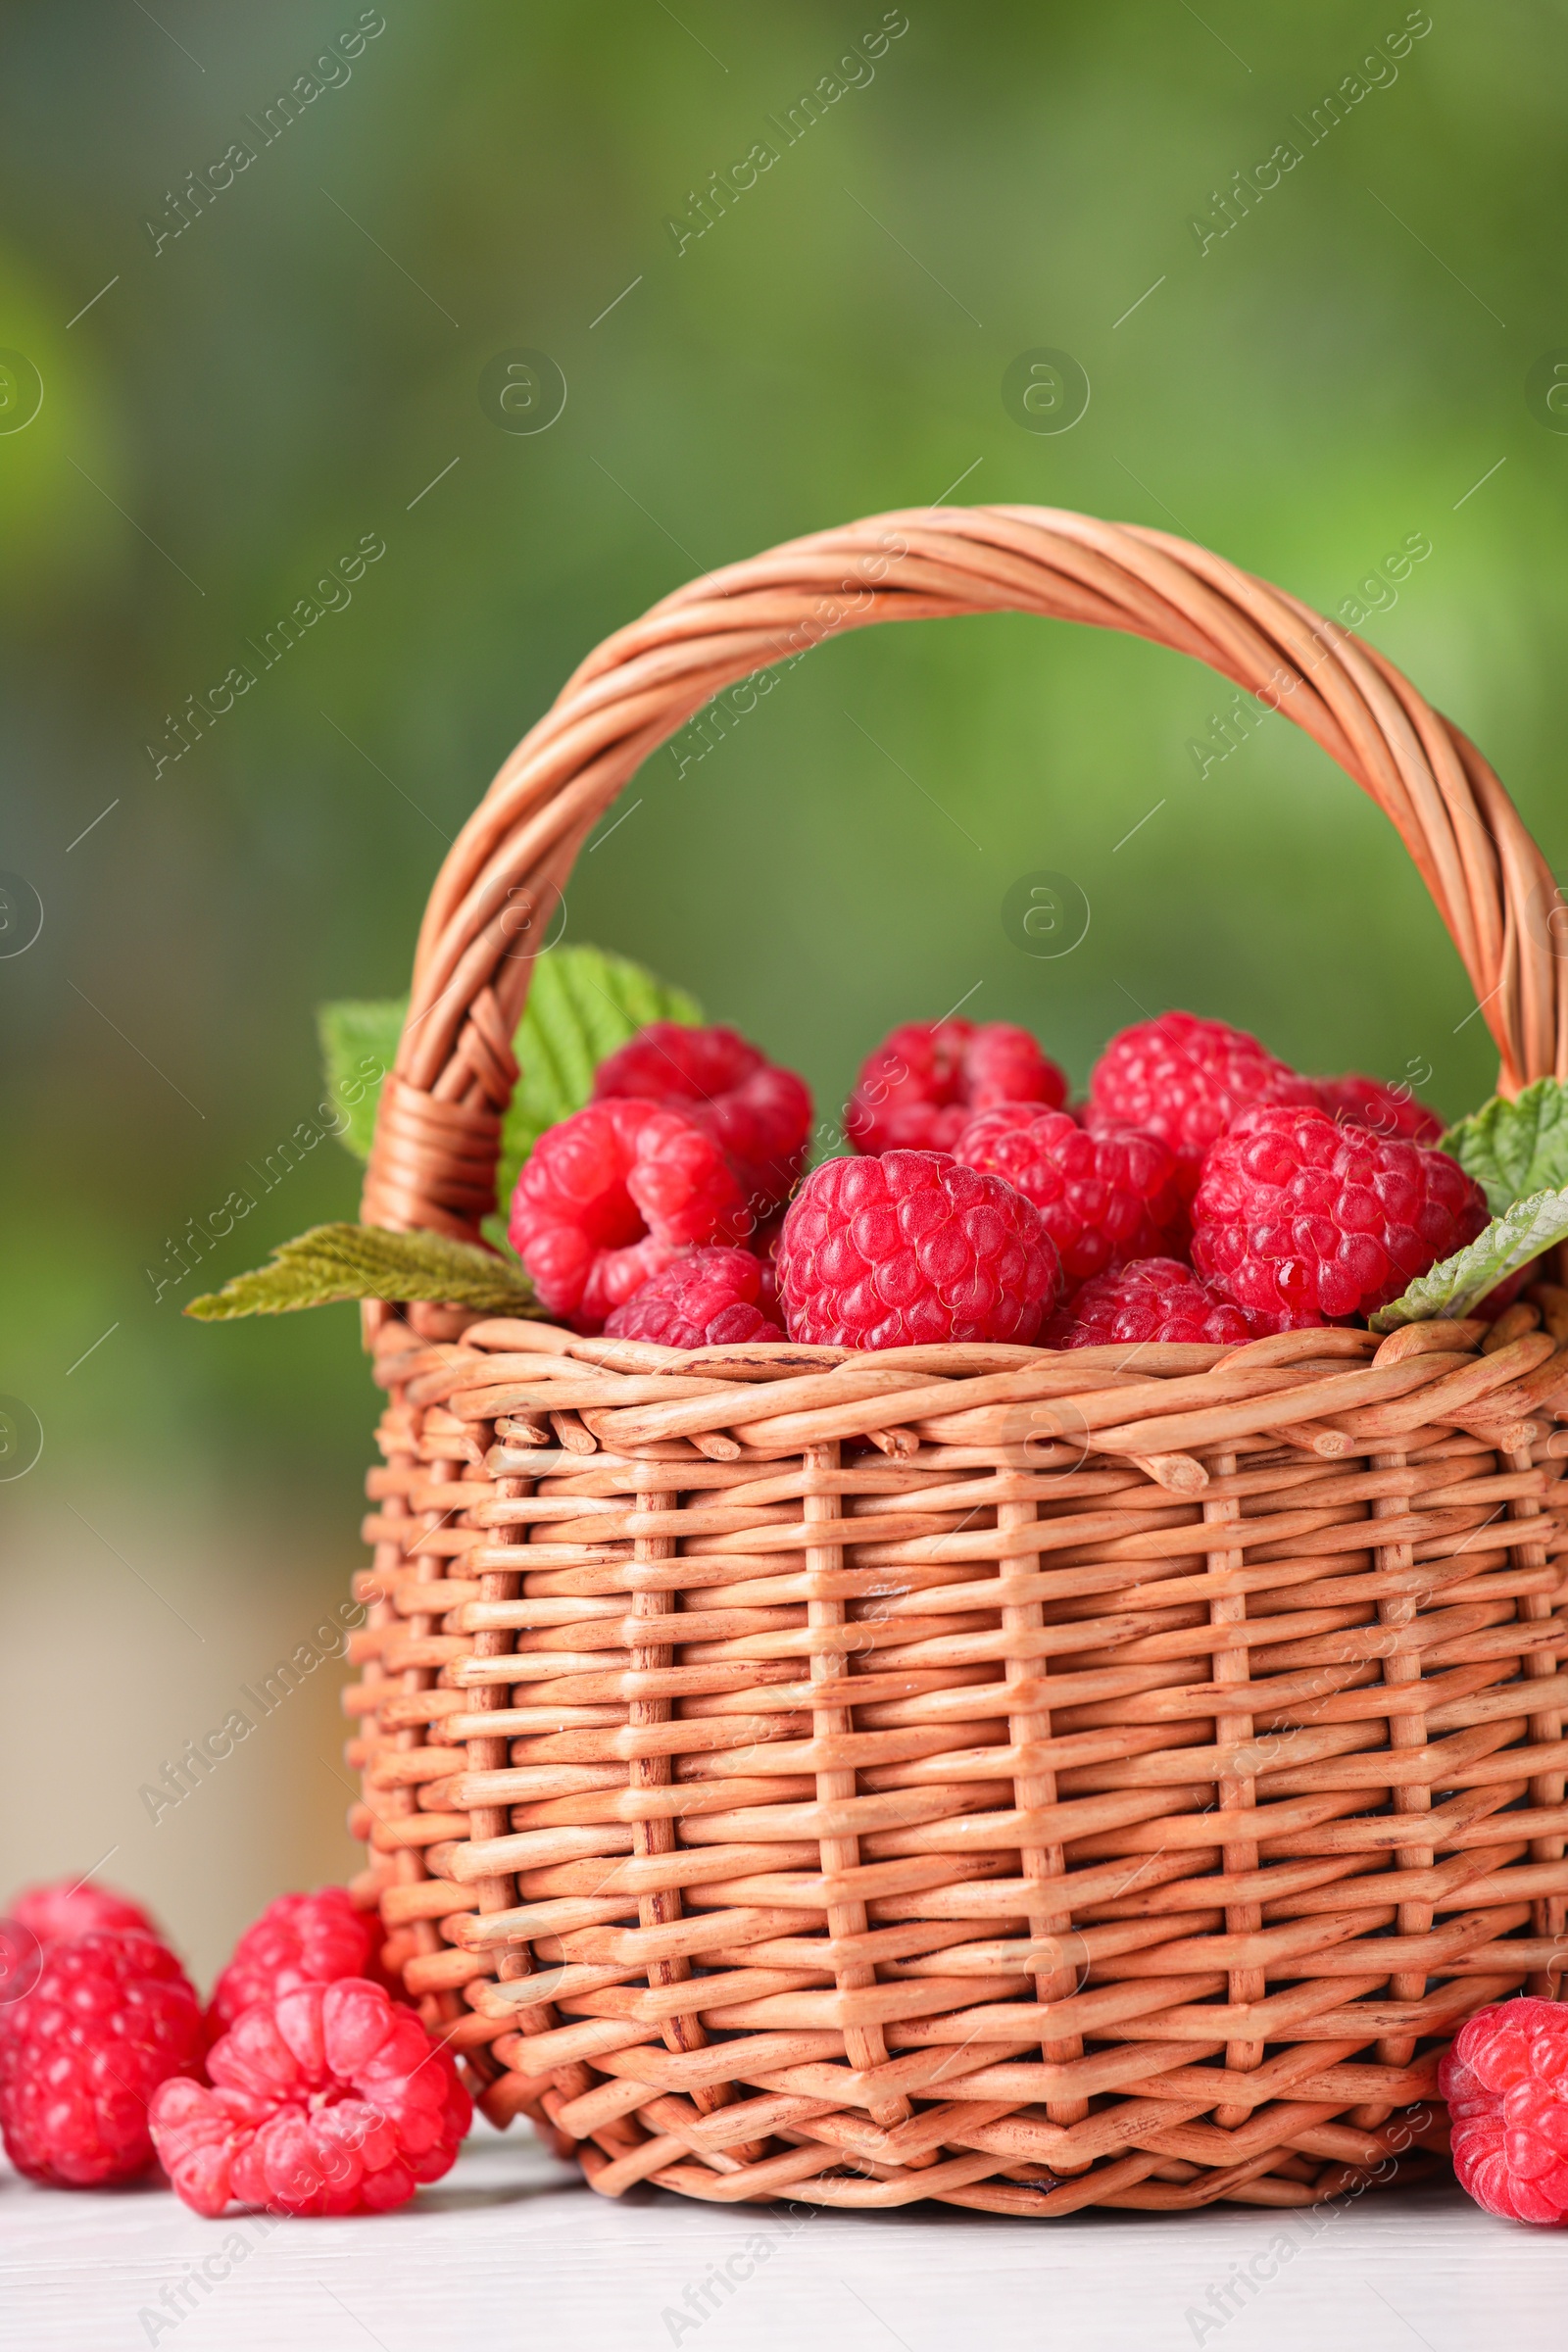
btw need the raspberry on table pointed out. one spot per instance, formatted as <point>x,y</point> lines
<point>925,1080</point>
<point>1303,1221</point>
<point>112,2016</point>
<point>1506,2084</point>
<point>298,1939</point>
<point>1152,1298</point>
<point>1106,1198</point>
<point>1185,1079</point>
<point>610,1196</point>
<point>331,2099</point>
<point>709,1299</point>
<point>67,1907</point>
<point>1358,1101</point>
<point>20,1963</point>
<point>758,1115</point>
<point>911,1249</point>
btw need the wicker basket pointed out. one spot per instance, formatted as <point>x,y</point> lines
<point>967,1773</point>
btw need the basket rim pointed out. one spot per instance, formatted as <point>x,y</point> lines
<point>1325,1393</point>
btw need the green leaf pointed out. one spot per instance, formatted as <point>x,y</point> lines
<point>582,1004</point>
<point>1514,1149</point>
<point>1451,1289</point>
<point>362,1261</point>
<point>358,1046</point>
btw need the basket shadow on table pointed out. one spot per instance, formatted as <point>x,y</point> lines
<point>517,2176</point>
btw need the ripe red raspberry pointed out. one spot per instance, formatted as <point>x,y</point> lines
<point>759,1116</point>
<point>1506,2084</point>
<point>710,1298</point>
<point>67,1907</point>
<point>926,1080</point>
<point>610,1196</point>
<point>298,1939</point>
<point>909,1248</point>
<point>1358,1101</point>
<point>331,2099</point>
<point>1153,1299</point>
<point>1304,1221</point>
<point>1185,1079</point>
<point>20,1963</point>
<point>1107,1198</point>
<point>112,2016</point>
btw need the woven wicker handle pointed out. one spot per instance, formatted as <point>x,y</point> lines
<point>439,1129</point>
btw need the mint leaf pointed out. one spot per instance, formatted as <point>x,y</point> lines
<point>362,1261</point>
<point>583,1004</point>
<point>359,1045</point>
<point>1451,1289</point>
<point>1514,1149</point>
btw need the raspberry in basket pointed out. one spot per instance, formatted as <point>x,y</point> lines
<point>1153,1299</point>
<point>299,1939</point>
<point>1506,2084</point>
<point>1303,1221</point>
<point>610,1196</point>
<point>112,2016</point>
<point>709,1299</point>
<point>758,1115</point>
<point>331,2099</point>
<point>67,1907</point>
<point>917,1091</point>
<point>1185,1079</point>
<point>1105,1197</point>
<point>1358,1101</point>
<point>911,1249</point>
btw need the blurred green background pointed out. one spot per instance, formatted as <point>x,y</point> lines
<point>228,410</point>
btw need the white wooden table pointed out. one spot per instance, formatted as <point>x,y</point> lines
<point>511,2252</point>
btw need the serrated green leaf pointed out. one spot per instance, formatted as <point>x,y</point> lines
<point>581,1005</point>
<point>1515,1150</point>
<point>362,1261</point>
<point>358,1046</point>
<point>1451,1289</point>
